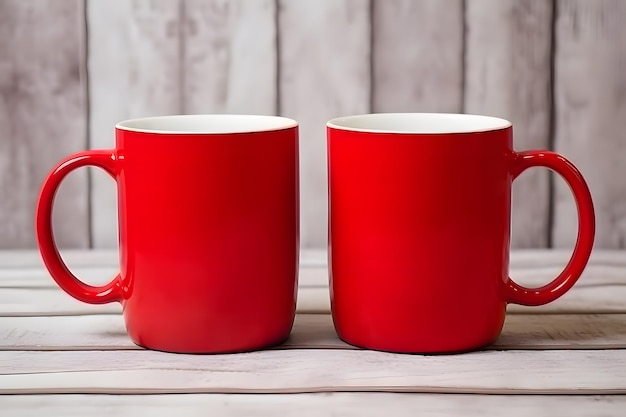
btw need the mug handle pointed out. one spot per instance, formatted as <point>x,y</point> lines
<point>105,160</point>
<point>518,294</point>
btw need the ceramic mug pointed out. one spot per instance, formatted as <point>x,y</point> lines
<point>419,226</point>
<point>208,230</point>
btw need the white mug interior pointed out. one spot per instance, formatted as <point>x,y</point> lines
<point>419,123</point>
<point>207,124</point>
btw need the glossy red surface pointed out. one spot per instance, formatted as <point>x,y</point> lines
<point>419,237</point>
<point>208,237</point>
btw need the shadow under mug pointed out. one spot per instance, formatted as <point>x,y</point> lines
<point>208,230</point>
<point>419,228</point>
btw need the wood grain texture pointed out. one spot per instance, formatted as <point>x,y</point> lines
<point>20,302</point>
<point>45,302</point>
<point>134,71</point>
<point>315,331</point>
<point>43,115</point>
<point>590,103</point>
<point>417,56</point>
<point>313,370</point>
<point>586,297</point>
<point>342,404</point>
<point>508,74</point>
<point>229,56</point>
<point>24,269</point>
<point>26,288</point>
<point>521,259</point>
<point>563,331</point>
<point>573,354</point>
<point>324,72</point>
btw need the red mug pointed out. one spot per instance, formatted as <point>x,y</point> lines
<point>208,230</point>
<point>419,227</point>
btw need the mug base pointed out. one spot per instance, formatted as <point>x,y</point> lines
<point>209,351</point>
<point>421,350</point>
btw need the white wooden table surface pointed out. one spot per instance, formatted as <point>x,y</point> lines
<point>62,357</point>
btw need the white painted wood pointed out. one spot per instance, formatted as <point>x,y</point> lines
<point>590,104</point>
<point>43,114</point>
<point>229,56</point>
<point>324,72</point>
<point>605,299</point>
<point>563,331</point>
<point>601,289</point>
<point>27,289</point>
<point>417,56</point>
<point>552,257</point>
<point>28,302</point>
<point>521,332</point>
<point>344,404</point>
<point>16,302</point>
<point>134,71</point>
<point>31,258</point>
<point>23,269</point>
<point>315,331</point>
<point>594,276</point>
<point>312,370</point>
<point>313,300</point>
<point>572,353</point>
<point>108,257</point>
<point>97,332</point>
<point>40,278</point>
<point>508,70</point>
<point>521,259</point>
<point>584,298</point>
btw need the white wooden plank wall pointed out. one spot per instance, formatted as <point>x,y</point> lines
<point>590,98</point>
<point>324,72</point>
<point>134,71</point>
<point>556,69</point>
<point>417,56</point>
<point>43,116</point>
<point>229,56</point>
<point>508,64</point>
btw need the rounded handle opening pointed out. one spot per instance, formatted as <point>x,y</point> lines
<point>519,294</point>
<point>110,292</point>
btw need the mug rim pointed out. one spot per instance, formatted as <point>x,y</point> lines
<point>419,123</point>
<point>206,124</point>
